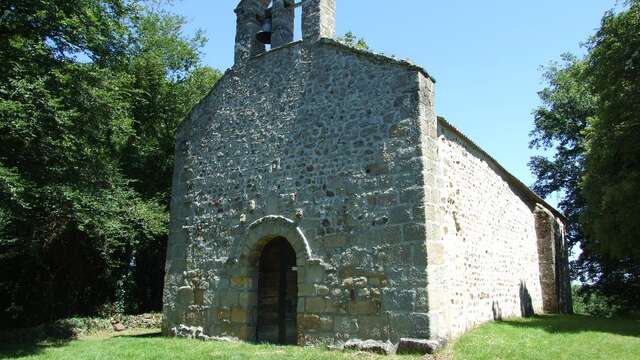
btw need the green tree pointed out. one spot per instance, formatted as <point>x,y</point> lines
<point>350,39</point>
<point>169,80</point>
<point>589,117</point>
<point>612,179</point>
<point>62,124</point>
<point>611,184</point>
<point>90,94</point>
<point>568,106</point>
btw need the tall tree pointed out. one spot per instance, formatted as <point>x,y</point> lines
<point>168,80</point>
<point>568,106</point>
<point>590,118</point>
<point>611,185</point>
<point>77,114</point>
<point>612,181</point>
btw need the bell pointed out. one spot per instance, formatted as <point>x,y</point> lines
<point>264,35</point>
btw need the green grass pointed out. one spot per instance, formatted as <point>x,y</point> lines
<point>548,337</point>
<point>552,337</point>
<point>153,346</point>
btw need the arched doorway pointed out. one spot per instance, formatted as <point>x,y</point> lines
<point>277,293</point>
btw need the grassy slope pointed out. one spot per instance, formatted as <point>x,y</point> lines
<point>553,337</point>
<point>575,337</point>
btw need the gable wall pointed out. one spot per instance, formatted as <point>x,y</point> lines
<point>321,143</point>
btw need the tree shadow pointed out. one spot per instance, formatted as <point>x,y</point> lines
<point>526,303</point>
<point>31,341</point>
<point>149,335</point>
<point>20,350</point>
<point>573,324</point>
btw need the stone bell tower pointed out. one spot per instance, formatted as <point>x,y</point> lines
<point>318,21</point>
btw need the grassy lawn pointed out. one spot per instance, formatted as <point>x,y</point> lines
<point>553,337</point>
<point>153,346</point>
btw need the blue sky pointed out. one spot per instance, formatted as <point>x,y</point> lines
<point>485,55</point>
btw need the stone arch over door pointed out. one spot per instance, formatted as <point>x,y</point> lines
<point>243,271</point>
<point>263,230</point>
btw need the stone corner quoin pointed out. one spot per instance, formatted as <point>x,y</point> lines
<point>397,225</point>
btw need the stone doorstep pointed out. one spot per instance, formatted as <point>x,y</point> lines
<point>372,346</point>
<point>406,346</point>
<point>420,346</point>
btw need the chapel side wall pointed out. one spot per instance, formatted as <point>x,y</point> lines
<point>325,137</point>
<point>490,245</point>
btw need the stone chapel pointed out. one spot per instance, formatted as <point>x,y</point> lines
<point>318,198</point>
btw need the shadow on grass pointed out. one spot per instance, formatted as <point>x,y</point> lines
<point>18,343</point>
<point>20,350</point>
<point>149,335</point>
<point>577,324</point>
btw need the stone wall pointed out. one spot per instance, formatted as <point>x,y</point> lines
<point>554,262</point>
<point>324,146</point>
<point>402,227</point>
<point>490,246</point>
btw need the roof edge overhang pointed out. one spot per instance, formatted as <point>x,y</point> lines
<point>510,178</point>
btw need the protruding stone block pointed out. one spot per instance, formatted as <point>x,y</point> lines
<point>185,296</point>
<point>372,346</point>
<point>321,290</point>
<point>419,346</point>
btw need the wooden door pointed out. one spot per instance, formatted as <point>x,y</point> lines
<point>277,294</point>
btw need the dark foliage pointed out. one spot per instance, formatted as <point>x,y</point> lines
<point>590,117</point>
<point>91,92</point>
<point>612,177</point>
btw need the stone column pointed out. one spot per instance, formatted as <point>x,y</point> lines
<point>318,19</point>
<point>283,23</point>
<point>247,26</point>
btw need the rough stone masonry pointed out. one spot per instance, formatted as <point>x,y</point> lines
<point>317,198</point>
